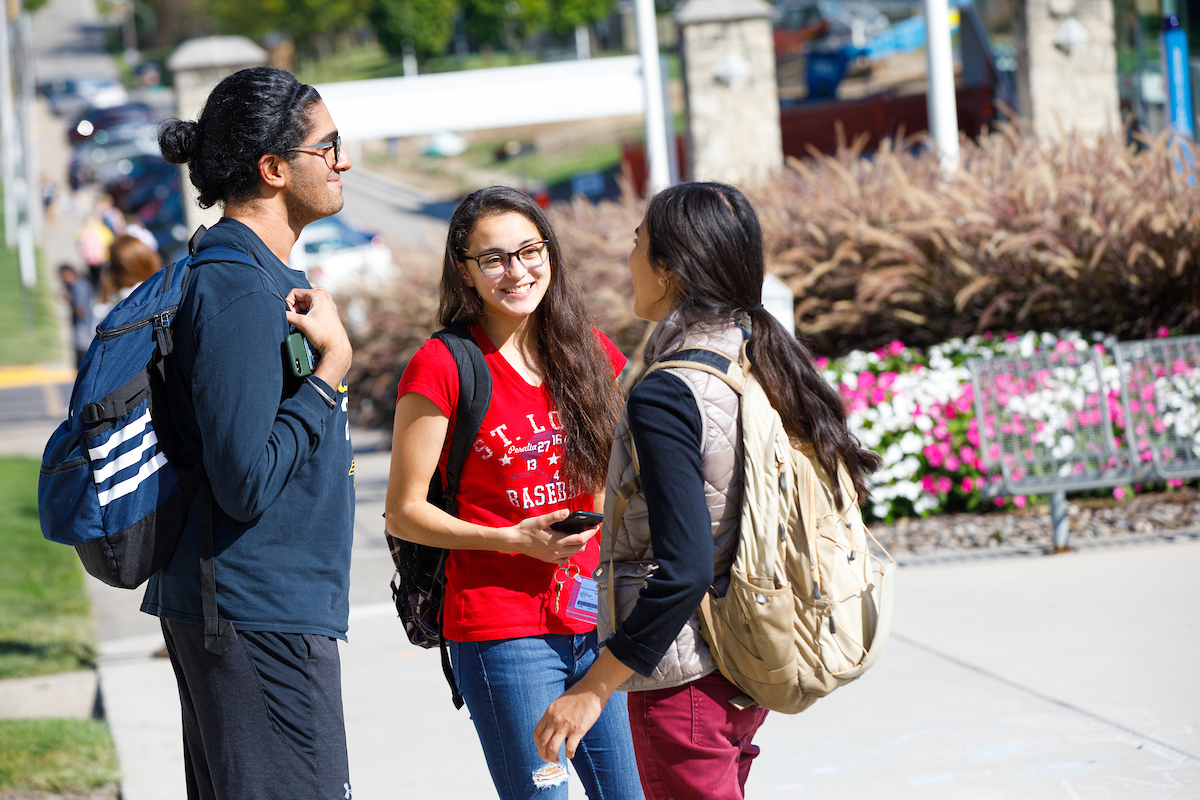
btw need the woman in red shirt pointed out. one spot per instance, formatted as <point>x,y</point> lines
<point>517,636</point>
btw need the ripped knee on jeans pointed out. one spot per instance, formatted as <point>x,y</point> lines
<point>549,774</point>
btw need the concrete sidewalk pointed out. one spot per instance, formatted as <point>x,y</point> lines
<point>1020,677</point>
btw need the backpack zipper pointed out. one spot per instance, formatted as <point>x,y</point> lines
<point>163,318</point>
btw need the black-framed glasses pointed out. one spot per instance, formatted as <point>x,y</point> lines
<point>493,264</point>
<point>322,149</point>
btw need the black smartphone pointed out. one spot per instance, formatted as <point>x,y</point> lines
<point>298,355</point>
<point>578,522</point>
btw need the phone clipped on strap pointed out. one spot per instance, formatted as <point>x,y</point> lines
<point>298,355</point>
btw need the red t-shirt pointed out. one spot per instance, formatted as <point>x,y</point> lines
<point>512,473</point>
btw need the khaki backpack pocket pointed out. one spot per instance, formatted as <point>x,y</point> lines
<point>755,644</point>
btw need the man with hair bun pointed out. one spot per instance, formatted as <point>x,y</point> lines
<point>261,701</point>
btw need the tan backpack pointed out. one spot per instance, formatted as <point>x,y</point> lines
<point>809,605</point>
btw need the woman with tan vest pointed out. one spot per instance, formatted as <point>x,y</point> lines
<point>697,268</point>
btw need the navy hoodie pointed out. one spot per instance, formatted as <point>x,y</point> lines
<point>277,454</point>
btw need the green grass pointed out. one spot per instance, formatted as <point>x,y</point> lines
<point>550,168</point>
<point>45,616</point>
<point>56,755</point>
<point>28,325</point>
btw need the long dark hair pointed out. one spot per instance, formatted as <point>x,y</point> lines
<point>251,113</point>
<point>576,368</point>
<point>707,237</point>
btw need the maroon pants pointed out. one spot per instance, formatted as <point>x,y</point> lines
<point>690,742</point>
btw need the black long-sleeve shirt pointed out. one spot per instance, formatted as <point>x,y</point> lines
<point>667,431</point>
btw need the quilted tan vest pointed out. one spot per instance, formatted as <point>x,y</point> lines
<point>629,547</point>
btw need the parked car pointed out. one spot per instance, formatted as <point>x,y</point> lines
<point>68,97</point>
<point>95,162</point>
<point>335,254</point>
<point>97,124</point>
<point>136,180</point>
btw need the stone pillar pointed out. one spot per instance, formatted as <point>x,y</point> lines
<point>199,65</point>
<point>729,81</point>
<point>1067,66</point>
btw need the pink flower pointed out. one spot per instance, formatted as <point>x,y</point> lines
<point>1164,332</point>
<point>1119,492</point>
<point>1160,426</point>
<point>878,395</point>
<point>941,432</point>
<point>968,485</point>
<point>952,463</point>
<point>887,379</point>
<point>866,380</point>
<point>1019,501</point>
<point>928,484</point>
<point>1175,483</point>
<point>998,501</point>
<point>973,435</point>
<point>896,347</point>
<point>944,484</point>
<point>821,362</point>
<point>1010,337</point>
<point>933,454</point>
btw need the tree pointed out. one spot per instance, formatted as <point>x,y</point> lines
<point>305,21</point>
<point>428,24</point>
<point>504,22</point>
<point>569,14</point>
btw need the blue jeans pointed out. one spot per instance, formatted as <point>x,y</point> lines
<point>509,683</point>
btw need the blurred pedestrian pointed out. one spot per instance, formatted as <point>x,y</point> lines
<point>78,294</point>
<point>135,228</point>
<point>697,267</point>
<point>94,239</point>
<point>130,262</point>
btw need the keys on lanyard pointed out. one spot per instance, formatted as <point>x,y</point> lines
<point>561,576</point>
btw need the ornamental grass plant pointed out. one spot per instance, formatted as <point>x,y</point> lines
<point>1027,235</point>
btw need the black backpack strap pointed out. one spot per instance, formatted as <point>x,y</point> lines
<point>219,634</point>
<point>474,397</point>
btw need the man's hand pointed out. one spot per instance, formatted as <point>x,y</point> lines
<point>314,314</point>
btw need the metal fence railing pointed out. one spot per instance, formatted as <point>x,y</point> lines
<point>1071,420</point>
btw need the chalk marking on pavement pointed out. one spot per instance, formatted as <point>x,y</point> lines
<point>1047,698</point>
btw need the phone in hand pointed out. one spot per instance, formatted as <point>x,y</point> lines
<point>578,522</point>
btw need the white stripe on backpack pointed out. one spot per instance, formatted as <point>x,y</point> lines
<point>130,484</point>
<point>134,428</point>
<point>125,459</point>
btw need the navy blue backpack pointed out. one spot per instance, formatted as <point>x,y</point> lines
<point>108,486</point>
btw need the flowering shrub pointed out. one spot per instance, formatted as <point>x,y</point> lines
<point>917,410</point>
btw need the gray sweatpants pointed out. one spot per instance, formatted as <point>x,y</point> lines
<point>262,721</point>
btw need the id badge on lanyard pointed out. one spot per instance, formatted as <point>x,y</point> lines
<point>583,598</point>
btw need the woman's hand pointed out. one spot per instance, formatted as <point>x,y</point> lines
<point>534,537</point>
<point>567,719</point>
<point>572,715</point>
<point>314,314</point>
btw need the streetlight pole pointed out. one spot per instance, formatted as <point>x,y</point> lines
<point>8,132</point>
<point>656,127</point>
<point>940,99</point>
